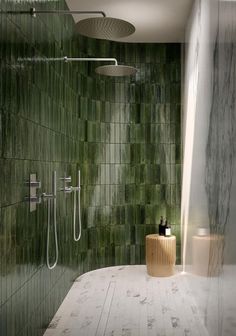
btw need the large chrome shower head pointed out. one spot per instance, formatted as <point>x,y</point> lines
<point>107,28</point>
<point>116,70</point>
<point>97,27</point>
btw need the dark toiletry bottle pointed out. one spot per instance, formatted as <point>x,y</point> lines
<point>161,227</point>
<point>167,229</point>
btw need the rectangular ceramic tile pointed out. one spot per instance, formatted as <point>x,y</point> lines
<point>124,134</point>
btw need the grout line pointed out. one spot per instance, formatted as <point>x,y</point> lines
<point>105,313</point>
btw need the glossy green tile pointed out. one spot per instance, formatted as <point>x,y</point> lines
<point>124,134</point>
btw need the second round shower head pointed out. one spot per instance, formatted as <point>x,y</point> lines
<point>107,28</point>
<point>116,70</point>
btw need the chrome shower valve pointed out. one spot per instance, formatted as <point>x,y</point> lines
<point>33,198</point>
<point>66,189</point>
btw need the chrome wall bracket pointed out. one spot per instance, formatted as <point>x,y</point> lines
<point>33,198</point>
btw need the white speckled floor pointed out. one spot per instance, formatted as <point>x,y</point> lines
<point>125,301</point>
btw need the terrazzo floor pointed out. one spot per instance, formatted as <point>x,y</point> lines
<point>125,301</point>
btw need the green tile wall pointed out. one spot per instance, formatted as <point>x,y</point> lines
<point>124,135</point>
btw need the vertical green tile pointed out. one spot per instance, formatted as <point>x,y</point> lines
<point>124,134</point>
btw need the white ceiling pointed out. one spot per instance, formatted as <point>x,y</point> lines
<point>154,20</point>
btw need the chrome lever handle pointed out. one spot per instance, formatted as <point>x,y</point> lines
<point>76,188</point>
<point>66,179</point>
<point>34,199</point>
<point>46,196</point>
<point>67,189</point>
<point>33,184</point>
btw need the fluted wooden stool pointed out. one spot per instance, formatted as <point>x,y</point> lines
<point>160,255</point>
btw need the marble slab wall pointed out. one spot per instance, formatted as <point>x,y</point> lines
<point>209,174</point>
<point>124,135</point>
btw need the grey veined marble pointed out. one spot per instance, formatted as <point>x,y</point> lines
<point>126,301</point>
<point>209,174</point>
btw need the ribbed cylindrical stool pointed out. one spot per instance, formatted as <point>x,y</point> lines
<point>207,252</point>
<point>160,255</point>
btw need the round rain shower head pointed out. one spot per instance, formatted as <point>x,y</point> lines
<point>107,28</point>
<point>116,70</point>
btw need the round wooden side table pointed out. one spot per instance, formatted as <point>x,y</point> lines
<point>160,255</point>
<point>207,254</point>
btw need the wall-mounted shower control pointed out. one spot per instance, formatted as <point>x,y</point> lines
<point>50,198</point>
<point>33,198</point>
<point>76,207</point>
<point>66,188</point>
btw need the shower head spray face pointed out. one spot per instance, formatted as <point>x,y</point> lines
<point>116,70</point>
<point>107,28</point>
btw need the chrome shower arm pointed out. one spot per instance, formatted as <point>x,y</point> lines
<point>67,59</point>
<point>90,59</point>
<point>115,69</point>
<point>32,11</point>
